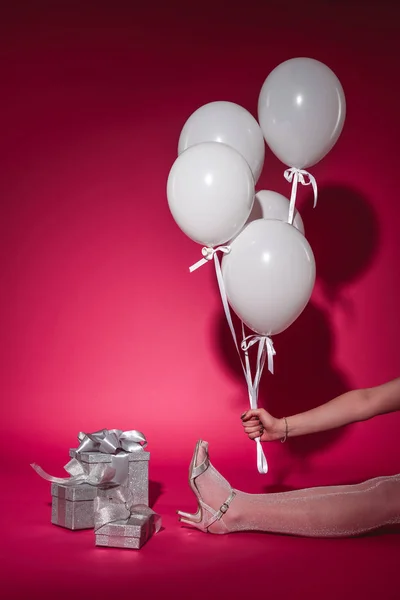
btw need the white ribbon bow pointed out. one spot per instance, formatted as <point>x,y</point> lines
<point>297,176</point>
<point>264,340</point>
<point>209,254</point>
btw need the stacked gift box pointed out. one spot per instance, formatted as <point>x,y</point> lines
<point>73,506</point>
<point>107,489</point>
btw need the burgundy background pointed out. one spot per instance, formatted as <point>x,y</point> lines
<point>103,326</point>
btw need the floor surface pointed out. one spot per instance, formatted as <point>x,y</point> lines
<point>41,560</point>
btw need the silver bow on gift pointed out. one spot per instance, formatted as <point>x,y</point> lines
<point>111,441</point>
<point>119,507</point>
<point>115,442</point>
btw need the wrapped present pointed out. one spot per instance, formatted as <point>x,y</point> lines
<point>122,455</point>
<point>72,507</point>
<point>120,523</point>
<point>104,460</point>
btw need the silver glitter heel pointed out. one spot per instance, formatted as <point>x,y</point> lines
<point>205,515</point>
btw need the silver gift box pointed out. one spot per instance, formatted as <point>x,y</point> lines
<point>133,533</point>
<point>138,471</point>
<point>72,506</point>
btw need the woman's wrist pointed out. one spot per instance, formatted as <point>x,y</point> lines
<point>281,429</point>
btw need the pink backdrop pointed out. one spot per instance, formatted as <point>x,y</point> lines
<point>103,326</point>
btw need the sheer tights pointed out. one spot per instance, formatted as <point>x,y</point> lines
<point>334,511</point>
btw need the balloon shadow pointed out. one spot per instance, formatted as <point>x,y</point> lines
<point>343,232</point>
<point>304,376</point>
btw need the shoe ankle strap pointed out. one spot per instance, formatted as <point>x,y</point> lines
<point>217,515</point>
<point>224,507</point>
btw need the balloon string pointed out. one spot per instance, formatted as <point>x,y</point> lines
<point>252,386</point>
<point>293,198</point>
<point>295,176</point>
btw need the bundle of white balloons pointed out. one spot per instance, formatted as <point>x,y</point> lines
<point>268,267</point>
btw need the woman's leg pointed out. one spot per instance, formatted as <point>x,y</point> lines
<point>335,511</point>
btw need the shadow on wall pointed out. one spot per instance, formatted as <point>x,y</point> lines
<point>344,235</point>
<point>343,232</point>
<point>156,489</point>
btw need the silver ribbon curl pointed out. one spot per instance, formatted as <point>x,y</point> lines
<point>119,507</point>
<point>100,475</point>
<point>119,444</point>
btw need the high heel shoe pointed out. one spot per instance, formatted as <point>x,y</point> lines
<point>195,472</point>
<point>205,515</point>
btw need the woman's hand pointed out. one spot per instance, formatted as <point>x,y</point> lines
<point>259,423</point>
<point>353,406</point>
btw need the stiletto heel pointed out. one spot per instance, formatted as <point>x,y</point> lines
<point>205,515</point>
<point>194,516</point>
<point>193,473</point>
<point>187,520</point>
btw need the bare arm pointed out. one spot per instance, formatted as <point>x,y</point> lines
<point>357,405</point>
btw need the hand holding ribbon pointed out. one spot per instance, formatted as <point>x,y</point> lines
<point>265,345</point>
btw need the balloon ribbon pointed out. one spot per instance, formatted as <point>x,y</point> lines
<point>295,176</point>
<point>265,345</point>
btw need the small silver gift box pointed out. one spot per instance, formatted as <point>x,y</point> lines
<point>138,470</point>
<point>133,533</point>
<point>120,523</point>
<point>72,506</point>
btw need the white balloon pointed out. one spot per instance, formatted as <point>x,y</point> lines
<point>301,109</point>
<point>269,275</point>
<point>230,124</point>
<point>271,205</point>
<point>210,192</point>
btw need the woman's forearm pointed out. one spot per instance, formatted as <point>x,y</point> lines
<point>338,412</point>
<point>357,405</point>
